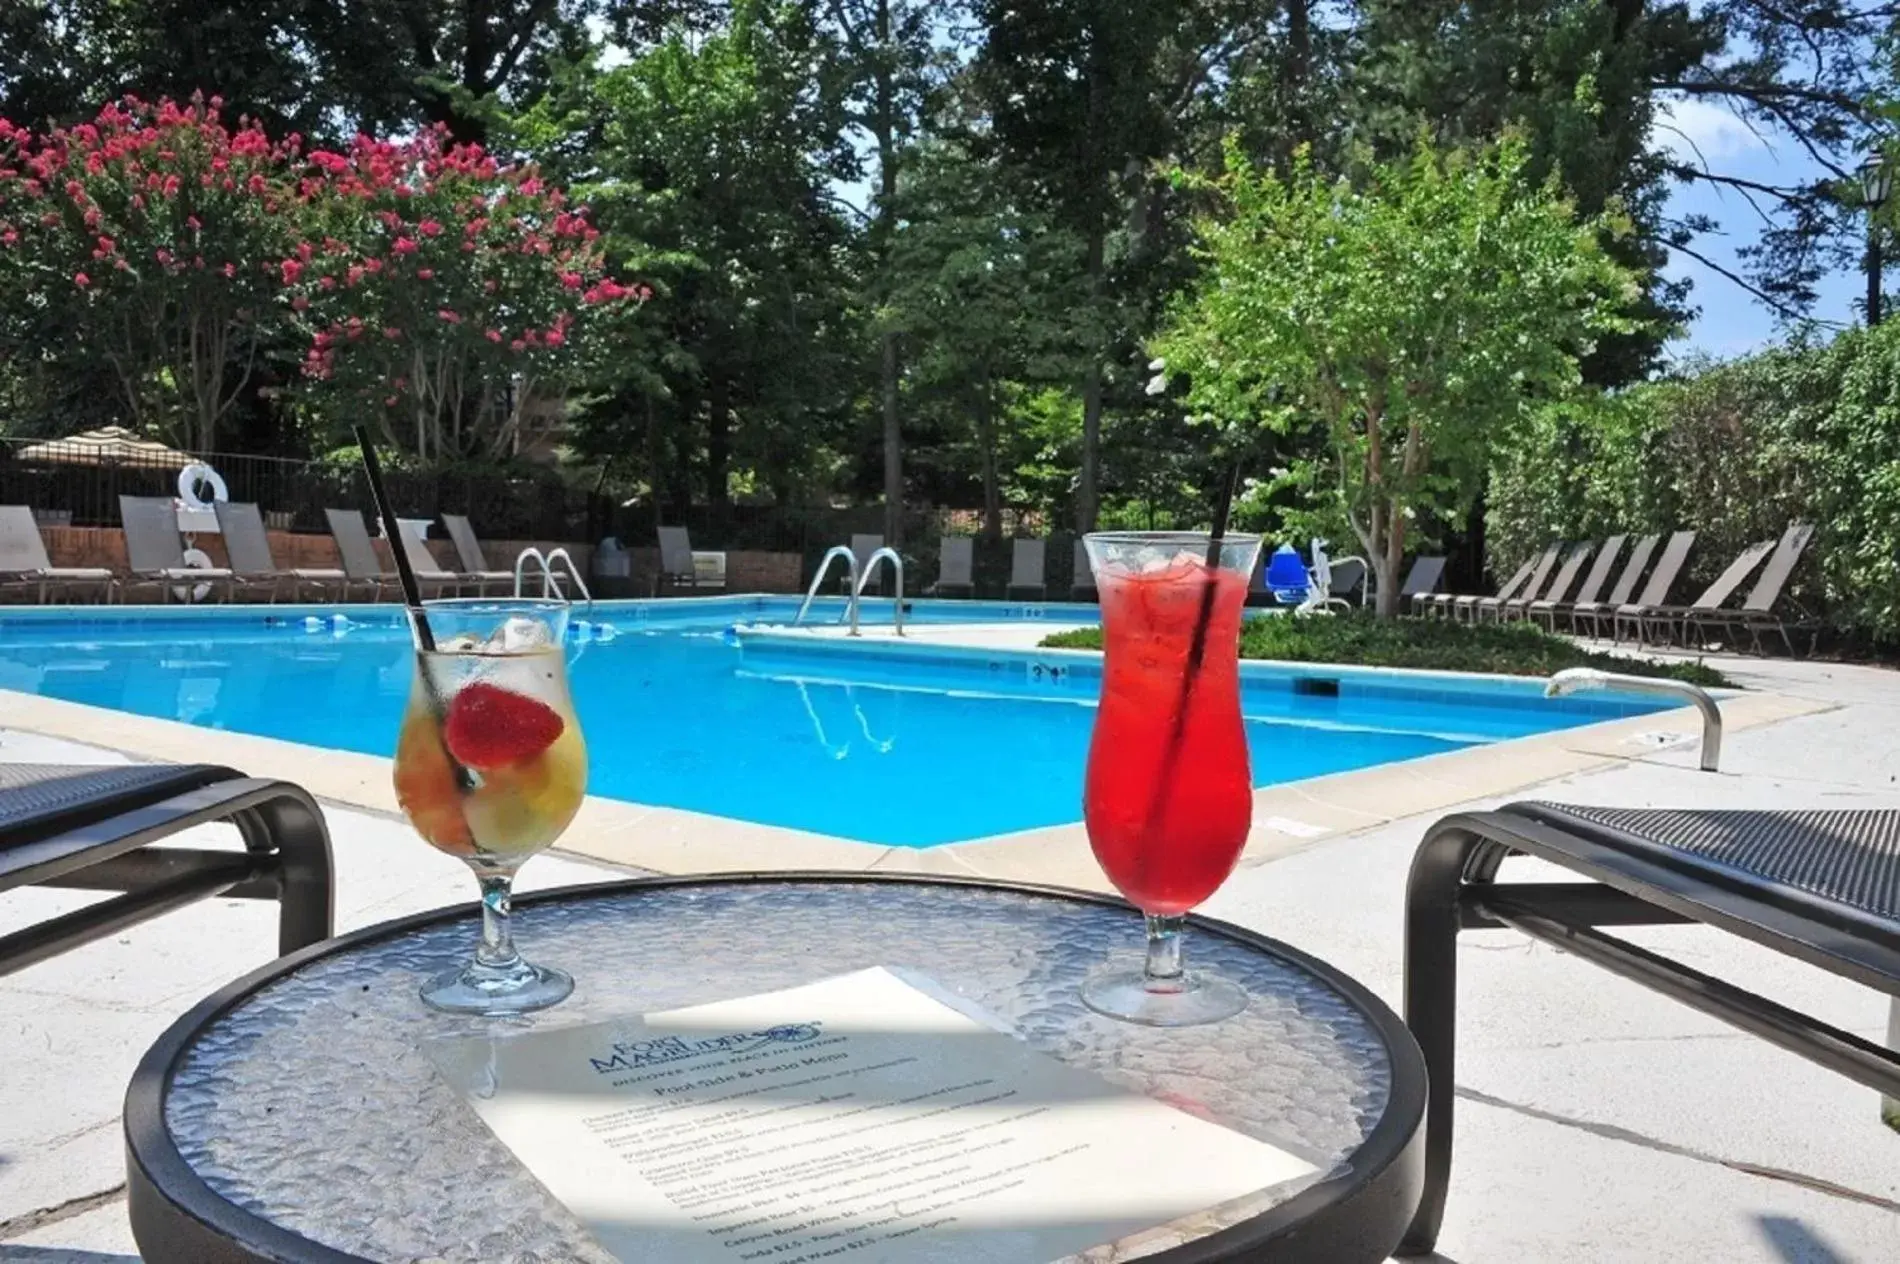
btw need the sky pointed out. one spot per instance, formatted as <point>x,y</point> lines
<point>1730,321</point>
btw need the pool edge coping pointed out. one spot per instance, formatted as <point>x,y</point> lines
<point>1288,817</point>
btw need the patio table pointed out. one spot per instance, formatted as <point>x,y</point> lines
<point>293,1116</point>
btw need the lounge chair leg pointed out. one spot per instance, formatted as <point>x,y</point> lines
<point>291,825</point>
<point>1431,1004</point>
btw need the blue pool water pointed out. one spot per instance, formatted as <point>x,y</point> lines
<point>911,746</point>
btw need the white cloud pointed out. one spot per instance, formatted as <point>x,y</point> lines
<point>1694,130</point>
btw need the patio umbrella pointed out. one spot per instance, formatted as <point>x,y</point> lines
<point>111,445</point>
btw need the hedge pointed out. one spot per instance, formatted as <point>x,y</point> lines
<point>1734,451</point>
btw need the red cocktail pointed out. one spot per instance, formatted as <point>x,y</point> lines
<point>1169,796</point>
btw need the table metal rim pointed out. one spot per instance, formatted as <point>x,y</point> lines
<point>1385,1160</point>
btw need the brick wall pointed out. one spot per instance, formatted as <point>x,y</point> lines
<point>746,570</point>
<point>105,546</point>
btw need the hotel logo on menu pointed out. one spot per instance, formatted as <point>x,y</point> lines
<point>633,1055</point>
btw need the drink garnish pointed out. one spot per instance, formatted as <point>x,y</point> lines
<point>492,727</point>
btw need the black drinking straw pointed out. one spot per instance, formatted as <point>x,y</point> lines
<point>1197,650</point>
<point>412,597</point>
<point>392,531</point>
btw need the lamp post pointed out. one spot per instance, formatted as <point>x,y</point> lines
<point>1876,183</point>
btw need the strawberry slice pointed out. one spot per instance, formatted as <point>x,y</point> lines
<point>492,727</point>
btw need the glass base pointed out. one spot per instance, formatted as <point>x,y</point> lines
<point>1188,1001</point>
<point>497,991</point>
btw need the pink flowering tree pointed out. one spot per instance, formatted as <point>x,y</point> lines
<point>454,299</point>
<point>147,239</point>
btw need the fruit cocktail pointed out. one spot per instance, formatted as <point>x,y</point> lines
<point>1168,797</point>
<point>491,768</point>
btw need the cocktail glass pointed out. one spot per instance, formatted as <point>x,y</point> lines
<point>491,768</point>
<point>1168,797</point>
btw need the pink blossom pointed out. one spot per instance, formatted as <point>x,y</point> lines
<point>555,337</point>
<point>404,246</point>
<point>449,316</point>
<point>230,269</point>
<point>8,238</point>
<point>425,274</point>
<point>326,282</point>
<point>391,332</point>
<point>493,335</point>
<point>571,280</point>
<point>162,255</point>
<point>292,269</point>
<point>192,222</point>
<point>429,228</point>
<point>300,304</point>
<point>81,280</point>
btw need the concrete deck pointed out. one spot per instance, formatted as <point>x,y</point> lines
<point>1597,1121</point>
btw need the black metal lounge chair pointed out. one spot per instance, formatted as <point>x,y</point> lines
<point>1757,612</point>
<point>1026,578</point>
<point>1673,622</point>
<point>1534,586</point>
<point>91,827</point>
<point>1453,604</point>
<point>1421,583</point>
<point>1656,590</point>
<point>1520,607</point>
<point>1547,610</point>
<point>1592,610</point>
<point>1082,584</point>
<point>1822,887</point>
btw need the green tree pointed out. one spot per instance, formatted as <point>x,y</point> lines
<point>714,155</point>
<point>981,288</point>
<point>1410,321</point>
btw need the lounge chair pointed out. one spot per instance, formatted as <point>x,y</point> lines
<point>956,555</point>
<point>24,563</point>
<point>1547,610</point>
<point>1456,605</point>
<point>247,545</point>
<point>358,551</point>
<point>1349,577</point>
<point>1478,607</point>
<point>469,549</point>
<point>155,553</point>
<point>1821,887</point>
<point>1673,621</point>
<point>1026,570</point>
<point>1421,582</point>
<point>1593,610</point>
<point>1656,590</point>
<point>1757,612</point>
<point>430,573</point>
<point>1082,578</point>
<point>90,828</point>
<point>1519,607</point>
<point>677,569</point>
<point>862,547</point>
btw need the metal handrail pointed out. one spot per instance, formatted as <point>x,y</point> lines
<point>1573,679</point>
<point>573,572</point>
<point>521,562</point>
<point>851,591</point>
<point>897,566</point>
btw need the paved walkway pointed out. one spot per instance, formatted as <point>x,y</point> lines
<point>1597,1121</point>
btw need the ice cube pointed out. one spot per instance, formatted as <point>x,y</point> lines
<point>517,635</point>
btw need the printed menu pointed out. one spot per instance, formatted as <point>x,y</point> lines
<point>861,1117</point>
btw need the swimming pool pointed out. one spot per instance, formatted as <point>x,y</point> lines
<point>906,745</point>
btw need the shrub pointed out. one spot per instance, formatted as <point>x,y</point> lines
<point>1735,452</point>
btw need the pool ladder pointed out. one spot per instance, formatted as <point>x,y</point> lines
<point>551,582</point>
<point>855,584</point>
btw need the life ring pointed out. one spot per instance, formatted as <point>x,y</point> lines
<point>189,479</point>
<point>197,560</point>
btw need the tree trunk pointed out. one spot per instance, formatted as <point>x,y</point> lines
<point>992,492</point>
<point>718,439</point>
<point>893,448</point>
<point>1386,565</point>
<point>1087,495</point>
<point>655,475</point>
<point>884,127</point>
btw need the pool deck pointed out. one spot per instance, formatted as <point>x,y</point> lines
<point>1597,1121</point>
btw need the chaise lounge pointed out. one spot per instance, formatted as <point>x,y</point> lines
<point>1822,887</point>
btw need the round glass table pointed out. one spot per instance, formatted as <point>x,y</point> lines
<point>294,1115</point>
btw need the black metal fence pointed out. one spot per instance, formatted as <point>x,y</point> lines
<point>78,485</point>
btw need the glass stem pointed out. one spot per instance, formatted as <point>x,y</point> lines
<point>497,949</point>
<point>1163,970</point>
